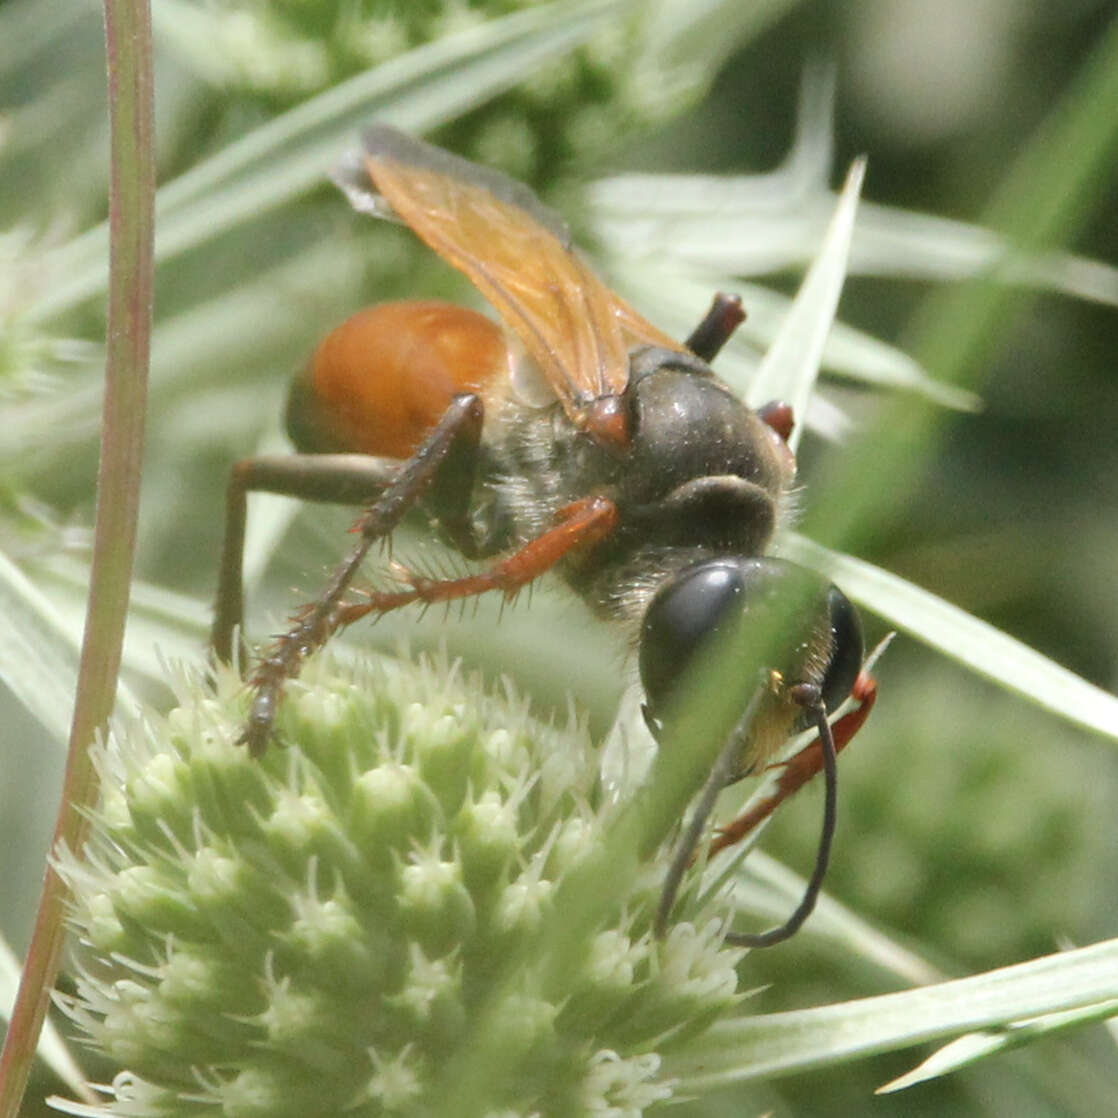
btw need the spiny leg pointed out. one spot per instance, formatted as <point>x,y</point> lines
<point>346,479</point>
<point>456,436</point>
<point>583,524</point>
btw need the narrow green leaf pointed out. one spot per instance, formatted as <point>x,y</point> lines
<point>768,1045</point>
<point>1046,198</point>
<point>900,243</point>
<point>675,300</point>
<point>685,42</point>
<point>39,653</point>
<point>973,1047</point>
<point>753,224</point>
<point>962,636</point>
<point>128,338</point>
<point>791,364</point>
<point>290,154</point>
<point>852,353</point>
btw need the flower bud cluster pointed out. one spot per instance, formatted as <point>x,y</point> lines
<point>353,923</point>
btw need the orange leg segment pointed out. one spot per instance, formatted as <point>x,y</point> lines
<point>584,523</point>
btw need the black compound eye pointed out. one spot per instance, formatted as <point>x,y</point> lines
<point>703,600</point>
<point>847,649</point>
<point>682,616</point>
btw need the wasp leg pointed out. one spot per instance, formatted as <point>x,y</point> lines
<point>800,768</point>
<point>584,523</point>
<point>455,439</point>
<point>718,324</point>
<point>344,479</point>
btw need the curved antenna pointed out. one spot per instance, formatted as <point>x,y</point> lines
<point>721,774</point>
<point>823,854</point>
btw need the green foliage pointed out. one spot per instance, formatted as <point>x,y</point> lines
<point>964,832</point>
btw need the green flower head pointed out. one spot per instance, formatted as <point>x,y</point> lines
<point>364,921</point>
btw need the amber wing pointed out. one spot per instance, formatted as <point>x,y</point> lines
<point>517,253</point>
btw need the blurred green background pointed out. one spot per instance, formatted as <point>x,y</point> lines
<point>973,826</point>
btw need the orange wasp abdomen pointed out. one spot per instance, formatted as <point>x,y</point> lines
<point>381,380</point>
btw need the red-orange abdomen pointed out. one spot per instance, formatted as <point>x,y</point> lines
<point>383,378</point>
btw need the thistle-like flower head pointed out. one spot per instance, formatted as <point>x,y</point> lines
<point>357,922</point>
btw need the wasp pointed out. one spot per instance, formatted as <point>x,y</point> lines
<point>573,437</point>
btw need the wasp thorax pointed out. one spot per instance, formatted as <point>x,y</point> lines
<point>689,426</point>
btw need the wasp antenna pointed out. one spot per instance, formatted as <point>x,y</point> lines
<point>724,317</point>
<point>823,854</point>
